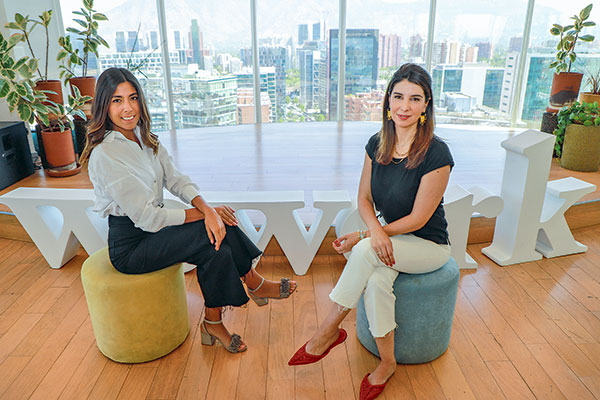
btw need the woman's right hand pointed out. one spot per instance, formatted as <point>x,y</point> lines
<point>382,245</point>
<point>215,229</point>
<point>345,243</point>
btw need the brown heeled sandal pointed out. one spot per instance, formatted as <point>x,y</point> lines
<point>284,292</point>
<point>209,340</point>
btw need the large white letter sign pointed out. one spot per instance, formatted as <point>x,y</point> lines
<point>526,169</point>
<point>460,204</point>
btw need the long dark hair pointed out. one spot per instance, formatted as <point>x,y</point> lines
<point>387,135</point>
<point>100,121</point>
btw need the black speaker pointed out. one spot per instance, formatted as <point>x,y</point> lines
<point>15,154</point>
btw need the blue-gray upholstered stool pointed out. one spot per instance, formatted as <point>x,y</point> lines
<point>424,311</point>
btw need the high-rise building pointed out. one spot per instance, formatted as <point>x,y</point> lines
<point>364,106</point>
<point>310,57</point>
<point>389,51</point>
<point>515,44</point>
<point>439,53</point>
<point>302,33</point>
<point>493,87</point>
<point>275,56</point>
<point>133,44</point>
<point>177,36</point>
<point>196,44</point>
<point>485,50</point>
<point>153,40</point>
<point>214,102</point>
<point>453,52</point>
<point>267,85</point>
<point>120,43</point>
<point>316,31</point>
<point>245,106</point>
<point>246,56</point>
<point>415,49</point>
<point>468,54</point>
<point>508,83</point>
<point>361,63</point>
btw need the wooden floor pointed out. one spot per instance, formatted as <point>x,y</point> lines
<point>525,331</point>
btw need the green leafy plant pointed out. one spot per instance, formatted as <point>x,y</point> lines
<point>587,114</point>
<point>25,26</point>
<point>18,87</point>
<point>88,35</point>
<point>569,35</point>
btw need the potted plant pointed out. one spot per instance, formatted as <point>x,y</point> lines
<point>25,25</point>
<point>565,84</point>
<point>90,40</point>
<point>33,105</point>
<point>578,137</point>
<point>593,95</point>
<point>57,139</point>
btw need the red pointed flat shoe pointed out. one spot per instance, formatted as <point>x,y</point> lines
<point>368,391</point>
<point>301,357</point>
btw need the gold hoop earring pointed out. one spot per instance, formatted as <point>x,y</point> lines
<point>389,115</point>
<point>422,119</point>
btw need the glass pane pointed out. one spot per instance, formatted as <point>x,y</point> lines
<point>136,47</point>
<point>473,60</point>
<point>378,41</point>
<point>542,52</point>
<point>293,44</point>
<point>212,74</point>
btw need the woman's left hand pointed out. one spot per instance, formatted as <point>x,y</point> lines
<point>227,214</point>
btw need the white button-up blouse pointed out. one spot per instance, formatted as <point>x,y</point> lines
<point>129,180</point>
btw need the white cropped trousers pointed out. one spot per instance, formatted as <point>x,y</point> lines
<point>364,271</point>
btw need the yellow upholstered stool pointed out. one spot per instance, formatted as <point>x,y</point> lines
<point>136,318</point>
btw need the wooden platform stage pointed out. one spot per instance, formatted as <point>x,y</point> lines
<point>325,156</point>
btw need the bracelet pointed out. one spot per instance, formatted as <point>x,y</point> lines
<point>361,234</point>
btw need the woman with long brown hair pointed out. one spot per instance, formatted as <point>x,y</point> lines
<point>405,173</point>
<point>129,168</point>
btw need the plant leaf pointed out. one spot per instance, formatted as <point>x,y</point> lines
<point>24,111</point>
<point>82,23</point>
<point>99,17</point>
<point>4,88</point>
<point>585,13</point>
<point>586,38</point>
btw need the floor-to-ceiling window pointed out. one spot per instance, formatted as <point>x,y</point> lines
<point>134,43</point>
<point>475,57</point>
<point>471,59</point>
<point>542,51</point>
<point>380,37</point>
<point>293,44</point>
<point>212,78</point>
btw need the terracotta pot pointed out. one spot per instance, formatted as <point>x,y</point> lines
<point>87,87</point>
<point>85,84</point>
<point>58,147</point>
<point>54,86</point>
<point>565,88</point>
<point>589,97</point>
<point>581,149</point>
